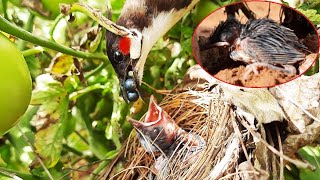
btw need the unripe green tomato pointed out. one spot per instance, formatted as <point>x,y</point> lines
<point>15,84</point>
<point>53,6</point>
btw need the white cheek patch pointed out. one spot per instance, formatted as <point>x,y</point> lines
<point>136,44</point>
<point>161,24</point>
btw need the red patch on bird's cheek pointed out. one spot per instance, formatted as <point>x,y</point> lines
<point>124,45</point>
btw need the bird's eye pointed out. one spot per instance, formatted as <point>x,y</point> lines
<point>118,56</point>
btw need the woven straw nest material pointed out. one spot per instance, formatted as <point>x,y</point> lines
<point>202,113</point>
<point>238,145</point>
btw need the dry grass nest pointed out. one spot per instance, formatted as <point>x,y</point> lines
<point>237,146</point>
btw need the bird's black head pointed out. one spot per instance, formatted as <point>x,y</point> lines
<point>118,51</point>
<point>224,34</point>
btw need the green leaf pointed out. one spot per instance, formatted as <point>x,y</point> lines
<point>48,143</point>
<point>48,140</point>
<point>311,14</point>
<point>312,155</point>
<point>62,65</point>
<point>33,65</point>
<point>119,113</point>
<point>5,155</point>
<point>97,141</point>
<point>77,143</point>
<point>155,71</point>
<point>313,3</point>
<point>313,69</point>
<point>1,5</point>
<point>22,151</point>
<point>174,73</point>
<point>203,9</point>
<point>47,89</point>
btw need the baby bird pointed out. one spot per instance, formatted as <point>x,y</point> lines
<point>224,35</point>
<point>159,132</point>
<point>258,43</point>
<point>263,42</point>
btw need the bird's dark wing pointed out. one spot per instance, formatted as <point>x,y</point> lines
<point>292,39</point>
<point>270,51</point>
<point>266,41</point>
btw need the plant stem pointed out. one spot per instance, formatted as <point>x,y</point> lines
<point>97,16</point>
<point>75,95</point>
<point>15,174</point>
<point>53,27</point>
<point>34,150</point>
<point>95,71</point>
<point>4,8</point>
<point>111,155</point>
<point>74,151</point>
<point>81,137</point>
<point>33,51</point>
<point>28,27</point>
<point>9,28</point>
<point>101,166</point>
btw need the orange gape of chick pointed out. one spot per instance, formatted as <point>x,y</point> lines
<point>159,132</point>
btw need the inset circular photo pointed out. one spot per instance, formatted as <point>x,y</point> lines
<point>255,44</point>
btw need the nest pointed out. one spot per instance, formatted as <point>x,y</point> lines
<point>237,147</point>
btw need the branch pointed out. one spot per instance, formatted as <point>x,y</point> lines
<point>53,27</point>
<point>16,31</point>
<point>35,153</point>
<point>28,27</point>
<point>33,51</point>
<point>97,16</point>
<point>17,175</point>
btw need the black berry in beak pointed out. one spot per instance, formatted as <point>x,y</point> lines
<point>130,85</point>
<point>133,95</point>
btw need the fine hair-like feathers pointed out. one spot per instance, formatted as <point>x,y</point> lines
<point>268,42</point>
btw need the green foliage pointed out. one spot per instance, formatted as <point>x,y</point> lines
<point>313,3</point>
<point>311,10</point>
<point>312,15</point>
<point>312,155</point>
<point>48,143</point>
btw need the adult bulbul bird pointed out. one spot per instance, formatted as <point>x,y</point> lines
<point>148,20</point>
